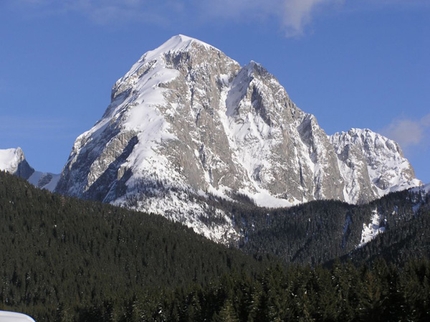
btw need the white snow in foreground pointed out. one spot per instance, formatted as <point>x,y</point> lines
<point>371,230</point>
<point>7,316</point>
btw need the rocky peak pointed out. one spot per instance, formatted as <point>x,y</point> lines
<point>187,121</point>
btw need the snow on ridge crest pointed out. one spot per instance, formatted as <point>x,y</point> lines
<point>176,44</point>
<point>367,136</point>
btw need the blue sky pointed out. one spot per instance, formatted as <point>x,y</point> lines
<point>351,63</point>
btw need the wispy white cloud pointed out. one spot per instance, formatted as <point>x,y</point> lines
<point>408,132</point>
<point>298,13</point>
<point>292,15</point>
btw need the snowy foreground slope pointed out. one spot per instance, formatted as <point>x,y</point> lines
<point>7,316</point>
<point>187,122</point>
<point>14,162</point>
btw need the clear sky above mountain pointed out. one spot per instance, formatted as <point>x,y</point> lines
<point>350,63</point>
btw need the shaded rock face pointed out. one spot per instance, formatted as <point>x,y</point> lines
<point>24,170</point>
<point>187,120</point>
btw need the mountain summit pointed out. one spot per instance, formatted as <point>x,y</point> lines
<point>14,162</point>
<point>187,122</point>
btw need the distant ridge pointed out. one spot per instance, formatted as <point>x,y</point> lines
<point>13,161</point>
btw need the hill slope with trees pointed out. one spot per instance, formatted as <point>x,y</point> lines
<point>59,255</point>
<point>64,259</point>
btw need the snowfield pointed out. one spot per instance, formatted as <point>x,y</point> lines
<point>7,316</point>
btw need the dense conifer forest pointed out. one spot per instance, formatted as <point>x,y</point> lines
<point>61,255</point>
<point>321,231</point>
<point>64,259</point>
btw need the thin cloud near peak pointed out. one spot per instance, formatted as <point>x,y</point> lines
<point>298,13</point>
<point>292,15</point>
<point>409,132</point>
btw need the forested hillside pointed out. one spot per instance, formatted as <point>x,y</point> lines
<point>59,255</point>
<point>321,231</point>
<point>405,239</point>
<point>65,259</point>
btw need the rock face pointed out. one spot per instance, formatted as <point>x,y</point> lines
<point>13,161</point>
<point>187,121</point>
<point>371,165</point>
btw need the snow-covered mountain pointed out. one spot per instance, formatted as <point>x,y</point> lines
<point>14,162</point>
<point>187,122</point>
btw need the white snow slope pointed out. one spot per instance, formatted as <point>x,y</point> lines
<point>371,230</point>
